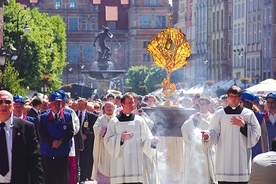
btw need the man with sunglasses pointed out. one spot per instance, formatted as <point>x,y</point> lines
<point>20,159</point>
<point>234,130</point>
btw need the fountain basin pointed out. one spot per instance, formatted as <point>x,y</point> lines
<point>104,74</point>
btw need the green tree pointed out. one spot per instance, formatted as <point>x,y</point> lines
<point>154,78</point>
<point>41,51</point>
<point>157,74</point>
<point>11,82</point>
<point>140,79</point>
<point>135,78</point>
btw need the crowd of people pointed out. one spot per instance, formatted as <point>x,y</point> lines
<point>62,140</point>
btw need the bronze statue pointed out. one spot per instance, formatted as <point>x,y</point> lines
<point>104,50</point>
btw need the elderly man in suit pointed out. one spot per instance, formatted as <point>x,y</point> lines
<point>87,121</point>
<point>20,159</point>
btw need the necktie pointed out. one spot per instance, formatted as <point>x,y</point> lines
<point>80,118</point>
<point>4,161</point>
<point>56,117</point>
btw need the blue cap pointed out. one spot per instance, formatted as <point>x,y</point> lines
<point>19,99</point>
<point>271,95</point>
<point>63,94</point>
<point>247,96</point>
<point>257,98</point>
<point>55,96</point>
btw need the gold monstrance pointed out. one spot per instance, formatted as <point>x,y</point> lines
<point>169,50</point>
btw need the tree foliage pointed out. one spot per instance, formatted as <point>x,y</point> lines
<point>41,51</point>
<point>150,79</point>
<point>154,77</point>
<point>11,82</point>
<point>135,78</point>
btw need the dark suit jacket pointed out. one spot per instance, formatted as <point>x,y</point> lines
<point>32,113</point>
<point>88,131</point>
<point>78,142</point>
<point>26,158</point>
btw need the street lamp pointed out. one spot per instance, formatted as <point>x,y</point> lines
<point>26,28</point>
<point>4,2</point>
<point>79,67</point>
<point>69,69</point>
<point>45,82</point>
<point>3,55</point>
<point>240,51</point>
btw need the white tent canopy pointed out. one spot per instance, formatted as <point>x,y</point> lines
<point>30,94</point>
<point>195,89</point>
<point>266,86</point>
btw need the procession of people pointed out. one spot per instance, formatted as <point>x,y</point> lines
<point>60,140</point>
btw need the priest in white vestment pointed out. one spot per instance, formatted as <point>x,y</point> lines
<point>101,166</point>
<point>127,137</point>
<point>196,153</point>
<point>234,130</point>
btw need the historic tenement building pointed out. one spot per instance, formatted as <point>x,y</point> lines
<point>229,39</point>
<point>133,24</point>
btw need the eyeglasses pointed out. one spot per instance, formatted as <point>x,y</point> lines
<point>8,102</point>
<point>129,103</point>
<point>270,102</point>
<point>108,106</point>
<point>230,96</point>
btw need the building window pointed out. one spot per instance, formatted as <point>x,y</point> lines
<point>145,44</point>
<point>73,24</point>
<point>230,22</point>
<point>74,53</point>
<point>89,26</point>
<point>147,2</point>
<point>124,2</point>
<point>87,53</point>
<point>111,25</point>
<point>58,4</point>
<point>269,15</point>
<point>229,51</point>
<point>145,21</point>
<point>146,58</point>
<point>160,21</point>
<point>72,4</point>
<point>111,13</point>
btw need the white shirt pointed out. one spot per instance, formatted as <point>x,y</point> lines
<point>8,130</point>
<point>75,120</point>
<point>82,116</point>
<point>55,114</point>
<point>35,110</point>
<point>272,118</point>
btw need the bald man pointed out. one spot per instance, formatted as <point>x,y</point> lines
<point>24,159</point>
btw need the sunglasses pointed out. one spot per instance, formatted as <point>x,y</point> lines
<point>8,102</point>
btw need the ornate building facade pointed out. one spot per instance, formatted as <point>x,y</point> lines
<point>133,24</point>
